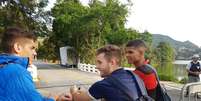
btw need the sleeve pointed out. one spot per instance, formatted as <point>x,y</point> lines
<point>11,99</point>
<point>21,88</point>
<point>199,67</point>
<point>188,66</point>
<point>3,98</point>
<point>97,91</point>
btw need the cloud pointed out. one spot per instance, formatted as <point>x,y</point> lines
<point>179,19</point>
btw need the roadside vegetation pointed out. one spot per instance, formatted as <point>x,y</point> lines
<point>86,28</point>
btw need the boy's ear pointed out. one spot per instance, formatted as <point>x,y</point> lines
<point>113,61</point>
<point>17,48</point>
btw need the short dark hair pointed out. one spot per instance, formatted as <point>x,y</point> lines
<point>111,51</point>
<point>11,35</point>
<point>136,43</point>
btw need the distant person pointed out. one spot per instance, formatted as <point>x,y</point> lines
<point>16,82</point>
<point>135,51</point>
<point>33,70</point>
<point>108,61</point>
<point>193,70</point>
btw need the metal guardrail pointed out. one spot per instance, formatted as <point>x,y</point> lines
<point>92,68</point>
<point>87,68</point>
<point>194,88</point>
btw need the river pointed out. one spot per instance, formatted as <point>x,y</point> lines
<point>177,69</point>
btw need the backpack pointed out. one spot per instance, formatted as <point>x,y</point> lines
<point>139,85</point>
<point>161,92</point>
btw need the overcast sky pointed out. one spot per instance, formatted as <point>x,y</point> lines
<point>179,19</point>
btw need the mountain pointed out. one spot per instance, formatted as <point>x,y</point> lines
<point>183,50</point>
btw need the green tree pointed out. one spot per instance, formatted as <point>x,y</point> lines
<point>86,28</point>
<point>166,71</point>
<point>164,56</point>
<point>27,14</point>
<point>164,52</point>
<point>147,37</point>
<point>121,37</point>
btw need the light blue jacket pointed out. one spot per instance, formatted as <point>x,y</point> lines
<point>16,82</point>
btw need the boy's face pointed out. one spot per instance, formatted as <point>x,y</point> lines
<point>103,65</point>
<point>195,59</point>
<point>134,55</point>
<point>27,49</point>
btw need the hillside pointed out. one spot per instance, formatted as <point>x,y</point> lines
<point>183,50</point>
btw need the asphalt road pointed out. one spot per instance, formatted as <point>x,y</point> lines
<point>55,79</point>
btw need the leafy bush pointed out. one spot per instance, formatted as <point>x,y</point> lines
<point>164,77</point>
<point>184,80</point>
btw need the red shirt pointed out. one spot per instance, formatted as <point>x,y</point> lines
<point>147,74</point>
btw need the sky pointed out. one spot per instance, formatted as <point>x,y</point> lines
<point>179,19</point>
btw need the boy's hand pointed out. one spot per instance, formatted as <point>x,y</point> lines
<point>65,97</point>
<point>73,89</point>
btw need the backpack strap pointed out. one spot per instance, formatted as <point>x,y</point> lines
<point>138,82</point>
<point>141,90</point>
<point>159,85</point>
<point>115,82</point>
<point>154,71</point>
